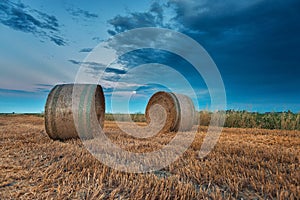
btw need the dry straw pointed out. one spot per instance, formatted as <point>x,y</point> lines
<point>59,119</point>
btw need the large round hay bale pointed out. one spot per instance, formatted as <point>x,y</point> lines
<point>176,111</point>
<point>62,118</point>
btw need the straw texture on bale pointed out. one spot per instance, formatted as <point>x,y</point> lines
<point>61,119</point>
<point>176,111</point>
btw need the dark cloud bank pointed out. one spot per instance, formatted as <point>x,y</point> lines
<point>255,44</point>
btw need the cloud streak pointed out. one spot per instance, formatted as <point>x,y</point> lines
<point>108,74</point>
<point>99,67</point>
<point>85,50</point>
<point>81,13</point>
<point>37,90</point>
<point>20,17</point>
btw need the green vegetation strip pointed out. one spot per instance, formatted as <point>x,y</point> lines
<point>236,119</point>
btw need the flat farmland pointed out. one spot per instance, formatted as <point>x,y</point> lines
<point>245,163</point>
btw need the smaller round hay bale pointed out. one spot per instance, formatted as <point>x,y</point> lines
<point>175,111</point>
<point>59,119</point>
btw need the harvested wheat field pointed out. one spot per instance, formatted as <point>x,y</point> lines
<point>246,163</point>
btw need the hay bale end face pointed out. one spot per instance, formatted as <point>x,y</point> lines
<point>176,111</point>
<point>59,119</point>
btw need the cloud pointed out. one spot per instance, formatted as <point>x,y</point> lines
<point>121,79</point>
<point>81,13</point>
<point>86,50</point>
<point>98,66</point>
<point>9,91</point>
<point>255,23</point>
<point>221,17</point>
<point>74,62</point>
<point>150,88</point>
<point>36,90</point>
<point>254,43</point>
<point>111,73</point>
<point>151,18</point>
<point>263,35</point>
<point>98,39</point>
<point>22,18</point>
<point>256,28</point>
<point>43,88</point>
<point>57,40</point>
<point>44,85</point>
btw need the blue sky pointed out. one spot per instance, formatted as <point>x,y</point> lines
<point>255,45</point>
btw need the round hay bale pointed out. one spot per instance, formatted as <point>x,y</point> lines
<point>187,112</point>
<point>175,111</point>
<point>59,119</point>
